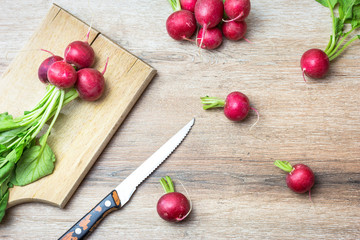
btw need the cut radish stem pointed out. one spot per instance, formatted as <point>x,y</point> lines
<point>236,105</point>
<point>314,63</point>
<point>237,10</point>
<point>210,38</point>
<point>300,178</point>
<point>172,206</point>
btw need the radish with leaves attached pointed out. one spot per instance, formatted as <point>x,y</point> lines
<point>172,206</point>
<point>236,105</point>
<point>300,178</point>
<point>315,63</point>
<point>25,156</point>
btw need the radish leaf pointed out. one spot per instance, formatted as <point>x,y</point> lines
<point>35,163</point>
<point>325,2</point>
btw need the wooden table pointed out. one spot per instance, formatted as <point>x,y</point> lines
<point>227,169</point>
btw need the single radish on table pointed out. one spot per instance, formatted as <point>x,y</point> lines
<point>181,24</point>
<point>315,63</point>
<point>300,178</point>
<point>172,206</point>
<point>236,105</point>
<point>237,10</point>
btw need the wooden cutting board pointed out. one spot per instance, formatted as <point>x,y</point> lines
<point>84,128</point>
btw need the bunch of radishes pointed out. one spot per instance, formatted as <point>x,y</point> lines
<point>74,71</point>
<point>209,15</point>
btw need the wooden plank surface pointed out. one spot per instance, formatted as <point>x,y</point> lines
<point>83,128</point>
<point>236,191</point>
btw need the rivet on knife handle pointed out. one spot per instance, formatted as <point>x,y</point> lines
<point>88,223</point>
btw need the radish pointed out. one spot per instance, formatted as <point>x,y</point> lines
<point>237,10</point>
<point>236,105</point>
<point>208,13</point>
<point>62,74</point>
<point>91,83</point>
<point>234,30</point>
<point>181,25</point>
<point>188,5</point>
<point>209,40</point>
<point>300,178</point>
<point>44,67</point>
<point>80,53</point>
<point>315,63</point>
<point>172,206</point>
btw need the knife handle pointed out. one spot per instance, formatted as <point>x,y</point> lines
<point>88,223</point>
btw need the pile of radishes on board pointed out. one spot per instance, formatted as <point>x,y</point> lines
<point>74,71</point>
<point>210,15</point>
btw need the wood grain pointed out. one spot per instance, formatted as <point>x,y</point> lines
<point>228,170</point>
<point>83,128</point>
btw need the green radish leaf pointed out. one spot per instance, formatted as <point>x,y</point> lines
<point>5,176</point>
<point>346,9</point>
<point>355,22</point>
<point>339,27</point>
<point>325,3</point>
<point>3,203</point>
<point>35,163</point>
<point>5,116</point>
<point>3,148</point>
<point>8,136</point>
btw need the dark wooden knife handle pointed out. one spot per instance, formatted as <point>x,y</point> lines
<point>88,223</point>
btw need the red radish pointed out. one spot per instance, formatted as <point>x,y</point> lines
<point>209,13</point>
<point>300,178</point>
<point>90,84</point>
<point>80,53</point>
<point>172,206</point>
<point>211,39</point>
<point>237,10</point>
<point>44,67</point>
<point>181,25</point>
<point>315,63</point>
<point>236,106</point>
<point>188,5</point>
<point>234,30</point>
<point>62,74</point>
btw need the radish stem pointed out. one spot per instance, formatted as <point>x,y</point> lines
<point>284,165</point>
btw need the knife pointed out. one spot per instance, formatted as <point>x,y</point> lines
<point>118,197</point>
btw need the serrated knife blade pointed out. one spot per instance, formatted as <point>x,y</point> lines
<point>118,197</point>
